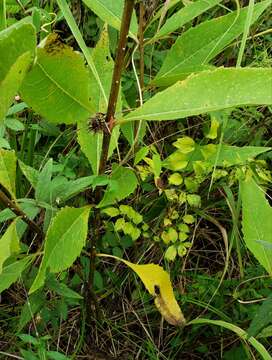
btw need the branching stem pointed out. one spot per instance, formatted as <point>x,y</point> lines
<point>17,211</point>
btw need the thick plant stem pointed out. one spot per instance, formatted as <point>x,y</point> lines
<point>17,211</point>
<point>116,79</point>
<point>115,86</point>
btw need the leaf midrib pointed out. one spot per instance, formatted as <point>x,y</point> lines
<point>62,238</point>
<point>62,89</point>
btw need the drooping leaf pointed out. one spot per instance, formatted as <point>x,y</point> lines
<point>8,170</point>
<point>111,12</point>
<point>184,15</point>
<point>63,91</point>
<point>240,332</point>
<point>123,182</point>
<point>200,44</point>
<point>12,272</point>
<point>158,284</point>
<point>64,241</point>
<point>9,244</point>
<point>91,140</point>
<point>256,226</point>
<point>262,318</point>
<point>17,46</point>
<point>206,92</point>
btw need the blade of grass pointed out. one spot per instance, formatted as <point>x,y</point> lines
<point>240,332</point>
<point>3,19</point>
<point>245,33</point>
<point>77,34</point>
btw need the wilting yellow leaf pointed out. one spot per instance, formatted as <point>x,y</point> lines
<point>157,282</point>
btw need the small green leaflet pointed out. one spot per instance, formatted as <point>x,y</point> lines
<point>64,241</point>
<point>256,226</point>
<point>206,92</point>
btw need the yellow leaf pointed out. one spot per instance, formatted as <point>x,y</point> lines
<point>158,284</point>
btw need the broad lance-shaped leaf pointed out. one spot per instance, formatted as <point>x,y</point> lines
<point>257,224</point>
<point>57,87</point>
<point>197,46</point>
<point>8,170</point>
<point>111,12</point>
<point>17,47</point>
<point>91,140</point>
<point>206,92</point>
<point>9,243</point>
<point>64,241</point>
<point>184,15</point>
<point>12,272</point>
<point>158,284</point>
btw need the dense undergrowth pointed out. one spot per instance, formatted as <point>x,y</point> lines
<point>190,195</point>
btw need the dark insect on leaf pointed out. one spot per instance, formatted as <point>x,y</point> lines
<point>157,290</point>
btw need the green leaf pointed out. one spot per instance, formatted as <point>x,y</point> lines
<point>240,332</point>
<point>200,44</point>
<point>111,12</point>
<point>64,241</point>
<point>171,253</point>
<point>17,47</point>
<point>63,94</point>
<point>123,183</point>
<point>8,170</point>
<point>256,209</point>
<point>262,318</point>
<point>43,189</point>
<point>184,15</point>
<point>74,187</point>
<point>208,91</point>
<point>91,141</point>
<point>227,155</point>
<point>32,305</point>
<point>12,272</point>
<point>14,124</point>
<point>9,243</point>
<point>63,290</point>
<point>12,81</point>
<point>30,173</point>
